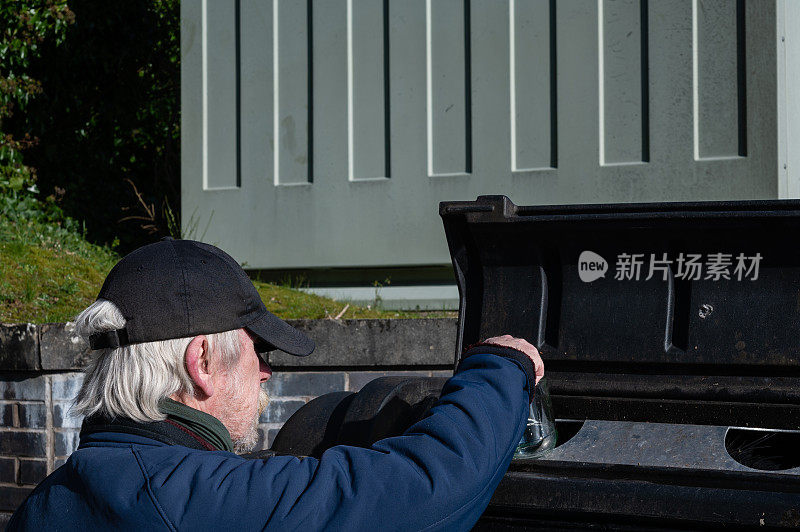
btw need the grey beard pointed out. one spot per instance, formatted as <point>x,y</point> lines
<point>248,442</point>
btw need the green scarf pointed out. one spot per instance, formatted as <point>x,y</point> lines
<point>204,425</point>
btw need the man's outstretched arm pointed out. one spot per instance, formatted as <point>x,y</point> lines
<point>440,474</point>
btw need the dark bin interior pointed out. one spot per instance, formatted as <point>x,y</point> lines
<point>721,352</point>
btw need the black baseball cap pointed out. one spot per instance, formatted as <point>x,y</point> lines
<point>182,288</point>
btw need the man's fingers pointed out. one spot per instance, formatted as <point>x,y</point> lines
<point>521,345</point>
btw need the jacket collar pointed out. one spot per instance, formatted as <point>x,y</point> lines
<point>198,423</point>
<point>168,432</point>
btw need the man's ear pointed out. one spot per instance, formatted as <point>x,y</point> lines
<point>198,364</point>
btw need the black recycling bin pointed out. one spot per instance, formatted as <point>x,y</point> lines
<point>671,339</point>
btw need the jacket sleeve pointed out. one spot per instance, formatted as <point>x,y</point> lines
<point>439,475</point>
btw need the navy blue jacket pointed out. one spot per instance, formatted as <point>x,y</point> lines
<point>439,475</point>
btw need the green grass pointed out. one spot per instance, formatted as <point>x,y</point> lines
<point>49,273</point>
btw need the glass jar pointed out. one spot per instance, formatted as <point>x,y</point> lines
<point>540,434</point>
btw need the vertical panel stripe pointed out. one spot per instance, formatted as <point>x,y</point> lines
<point>644,25</point>
<point>238,65</point>
<point>293,92</point>
<point>532,84</point>
<point>367,89</point>
<point>719,79</point>
<point>741,71</point>
<point>204,76</point>
<point>553,86</point>
<point>467,86</point>
<point>221,103</point>
<point>449,100</point>
<point>386,91</point>
<point>310,90</point>
<point>275,96</point>
<point>623,93</point>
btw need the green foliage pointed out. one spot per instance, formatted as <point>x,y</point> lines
<point>48,270</point>
<point>28,23</point>
<point>25,220</point>
<point>378,285</point>
<point>108,118</point>
<point>26,26</point>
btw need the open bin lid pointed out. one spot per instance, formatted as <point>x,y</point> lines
<point>662,312</point>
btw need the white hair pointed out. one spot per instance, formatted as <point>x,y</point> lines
<point>130,381</point>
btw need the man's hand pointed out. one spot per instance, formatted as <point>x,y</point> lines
<point>521,345</point>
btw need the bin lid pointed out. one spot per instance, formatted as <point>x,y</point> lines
<point>674,312</point>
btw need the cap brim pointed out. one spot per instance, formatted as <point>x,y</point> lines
<point>273,330</point>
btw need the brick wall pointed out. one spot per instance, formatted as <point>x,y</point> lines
<point>40,376</point>
<point>25,453</point>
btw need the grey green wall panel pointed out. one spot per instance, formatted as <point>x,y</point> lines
<point>325,133</point>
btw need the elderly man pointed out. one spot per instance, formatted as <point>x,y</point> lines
<point>175,391</point>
